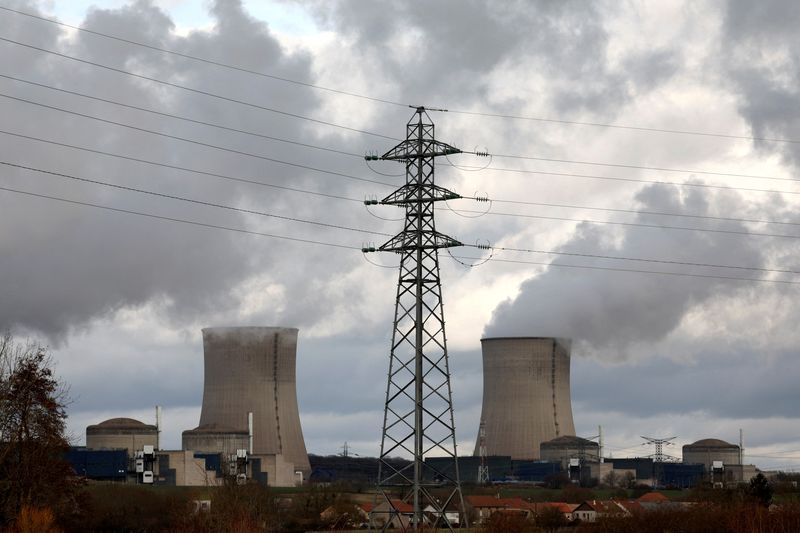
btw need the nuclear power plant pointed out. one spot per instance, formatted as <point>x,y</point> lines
<point>526,396</point>
<point>251,370</point>
<point>249,427</point>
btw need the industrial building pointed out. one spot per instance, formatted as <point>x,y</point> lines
<point>526,395</point>
<point>249,423</point>
<point>723,462</point>
<point>122,434</point>
<point>252,370</point>
<point>568,447</point>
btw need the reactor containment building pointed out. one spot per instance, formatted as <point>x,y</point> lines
<point>250,370</point>
<point>526,395</point>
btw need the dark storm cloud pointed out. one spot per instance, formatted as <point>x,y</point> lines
<point>62,265</point>
<point>605,312</point>
<point>761,49</point>
<point>461,47</point>
<point>722,384</point>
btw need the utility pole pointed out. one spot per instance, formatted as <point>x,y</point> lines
<point>418,413</point>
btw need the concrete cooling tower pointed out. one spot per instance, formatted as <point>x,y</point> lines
<point>526,399</point>
<point>252,369</point>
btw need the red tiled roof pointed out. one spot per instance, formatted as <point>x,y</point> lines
<point>632,506</point>
<point>653,497</point>
<point>401,506</point>
<point>479,500</point>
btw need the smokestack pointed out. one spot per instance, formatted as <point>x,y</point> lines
<point>600,441</point>
<point>526,396</point>
<point>250,432</point>
<point>741,446</point>
<point>158,427</point>
<point>252,370</point>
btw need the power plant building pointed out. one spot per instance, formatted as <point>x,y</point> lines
<point>526,395</point>
<point>708,451</point>
<point>121,434</point>
<point>566,447</point>
<point>251,370</point>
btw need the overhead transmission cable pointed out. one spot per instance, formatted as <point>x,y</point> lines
<point>205,60</point>
<point>645,212</point>
<point>294,115</point>
<point>638,167</point>
<point>631,270</point>
<point>196,142</point>
<point>178,220</point>
<point>638,224</point>
<point>195,90</point>
<point>637,180</point>
<point>635,259</point>
<point>352,154</point>
<point>385,100</point>
<point>190,200</point>
<point>339,197</point>
<point>180,168</point>
<point>323,243</point>
<point>153,132</point>
<point>185,119</point>
<point>360,230</point>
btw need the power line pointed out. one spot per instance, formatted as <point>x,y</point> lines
<point>342,152</point>
<point>639,167</point>
<point>637,271</point>
<point>392,102</point>
<point>306,144</point>
<point>638,224</point>
<point>193,141</point>
<point>254,182</point>
<point>623,126</point>
<point>189,200</point>
<point>359,230</point>
<point>621,258</point>
<point>310,241</point>
<point>636,180</point>
<point>178,117</point>
<point>205,60</point>
<point>182,169</point>
<point>178,220</point>
<point>195,90</point>
<point>643,212</point>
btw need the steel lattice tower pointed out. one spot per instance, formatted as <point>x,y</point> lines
<point>418,414</point>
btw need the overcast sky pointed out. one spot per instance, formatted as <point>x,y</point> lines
<point>121,298</point>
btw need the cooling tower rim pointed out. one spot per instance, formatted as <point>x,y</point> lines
<point>525,338</point>
<point>215,429</point>
<point>234,329</point>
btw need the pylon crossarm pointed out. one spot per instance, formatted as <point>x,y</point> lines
<point>408,195</point>
<point>411,150</point>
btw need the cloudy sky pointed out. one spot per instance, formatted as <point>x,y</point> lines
<point>651,140</point>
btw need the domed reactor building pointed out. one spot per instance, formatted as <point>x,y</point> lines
<point>526,395</point>
<point>250,370</point>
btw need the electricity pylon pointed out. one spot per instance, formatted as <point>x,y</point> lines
<point>659,457</point>
<point>418,414</point>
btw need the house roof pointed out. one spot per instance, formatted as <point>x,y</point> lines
<point>480,500</point>
<point>653,497</point>
<point>401,506</point>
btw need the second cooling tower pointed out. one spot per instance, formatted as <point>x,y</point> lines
<point>526,397</point>
<point>252,369</point>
